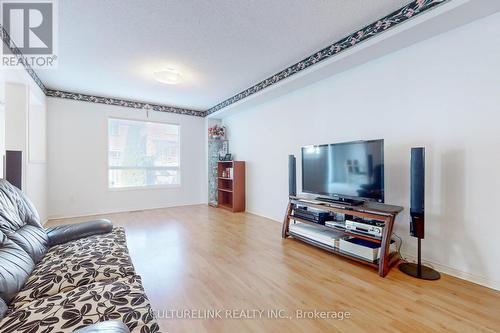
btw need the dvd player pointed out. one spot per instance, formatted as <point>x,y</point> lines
<point>375,229</point>
<point>310,214</point>
<point>335,224</point>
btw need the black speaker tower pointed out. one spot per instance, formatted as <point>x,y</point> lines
<point>417,215</point>
<point>292,179</point>
<point>14,168</point>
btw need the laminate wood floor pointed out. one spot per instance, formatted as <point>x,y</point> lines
<point>196,259</point>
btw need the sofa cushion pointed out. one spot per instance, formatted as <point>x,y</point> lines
<point>119,299</point>
<point>78,263</point>
<point>20,222</point>
<point>32,240</point>
<point>15,267</point>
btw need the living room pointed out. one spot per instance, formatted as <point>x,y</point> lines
<point>162,173</point>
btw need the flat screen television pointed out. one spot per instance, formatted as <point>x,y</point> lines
<point>349,170</point>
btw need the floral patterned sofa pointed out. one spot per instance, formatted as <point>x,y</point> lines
<point>56,281</point>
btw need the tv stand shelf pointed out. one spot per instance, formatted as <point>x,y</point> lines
<point>368,210</point>
<point>347,233</point>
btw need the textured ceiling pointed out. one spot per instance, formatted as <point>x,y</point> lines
<point>112,47</point>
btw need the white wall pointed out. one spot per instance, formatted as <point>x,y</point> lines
<point>78,174</point>
<point>443,93</point>
<point>23,100</point>
<point>36,153</point>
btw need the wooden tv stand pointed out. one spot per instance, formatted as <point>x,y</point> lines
<point>369,210</point>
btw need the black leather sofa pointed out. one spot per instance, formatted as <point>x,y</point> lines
<point>70,278</point>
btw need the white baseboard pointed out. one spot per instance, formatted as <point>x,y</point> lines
<point>474,278</point>
<point>90,214</point>
<point>264,216</point>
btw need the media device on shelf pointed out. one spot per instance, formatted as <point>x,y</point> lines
<point>347,173</point>
<point>417,215</point>
<point>312,214</point>
<point>322,236</point>
<point>363,249</point>
<point>372,228</point>
<point>335,224</point>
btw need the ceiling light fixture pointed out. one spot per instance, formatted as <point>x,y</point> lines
<point>168,76</point>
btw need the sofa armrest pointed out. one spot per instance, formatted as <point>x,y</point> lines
<point>111,326</point>
<point>64,233</point>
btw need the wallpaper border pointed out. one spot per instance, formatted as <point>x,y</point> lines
<point>399,16</point>
<point>19,55</point>
<point>92,98</point>
<point>122,102</point>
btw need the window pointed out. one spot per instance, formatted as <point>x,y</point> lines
<point>143,153</point>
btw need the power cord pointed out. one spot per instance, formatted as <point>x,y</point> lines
<point>399,247</point>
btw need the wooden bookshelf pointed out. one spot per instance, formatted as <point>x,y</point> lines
<point>231,185</point>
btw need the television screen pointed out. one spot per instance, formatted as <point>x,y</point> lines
<point>350,170</point>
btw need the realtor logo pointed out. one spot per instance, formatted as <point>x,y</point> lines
<point>31,27</point>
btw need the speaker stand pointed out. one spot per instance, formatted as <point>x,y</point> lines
<point>418,270</point>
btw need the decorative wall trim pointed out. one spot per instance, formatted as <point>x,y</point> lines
<point>19,55</point>
<point>122,102</point>
<point>409,11</point>
<point>401,15</point>
<point>88,98</point>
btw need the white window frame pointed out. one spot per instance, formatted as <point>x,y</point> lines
<point>145,187</point>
